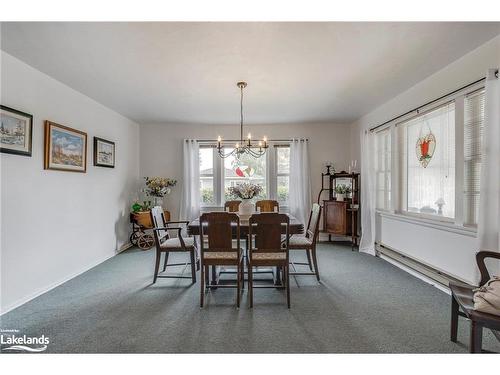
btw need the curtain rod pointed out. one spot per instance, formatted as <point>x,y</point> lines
<point>239,140</point>
<point>432,101</point>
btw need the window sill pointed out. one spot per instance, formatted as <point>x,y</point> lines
<point>430,223</point>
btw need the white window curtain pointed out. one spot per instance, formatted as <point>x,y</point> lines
<point>300,180</point>
<point>367,243</point>
<point>190,202</point>
<point>489,201</point>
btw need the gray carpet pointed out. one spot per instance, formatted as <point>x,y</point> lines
<point>362,305</point>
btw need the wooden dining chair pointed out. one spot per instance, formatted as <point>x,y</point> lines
<point>267,206</point>
<point>166,244</point>
<point>219,250</point>
<point>308,243</point>
<point>232,206</point>
<point>266,248</point>
<point>462,304</point>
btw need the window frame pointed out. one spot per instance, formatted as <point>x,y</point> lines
<point>280,174</point>
<point>218,177</point>
<point>401,133</point>
<point>215,176</point>
<point>398,186</point>
<point>387,172</point>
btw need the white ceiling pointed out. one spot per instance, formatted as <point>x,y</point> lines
<point>296,72</point>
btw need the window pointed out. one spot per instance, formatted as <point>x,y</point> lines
<point>207,188</point>
<point>283,174</point>
<point>433,170</point>
<point>429,162</point>
<point>244,169</point>
<point>271,171</point>
<point>473,134</point>
<point>383,169</point>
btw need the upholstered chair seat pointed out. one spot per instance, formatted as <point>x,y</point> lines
<point>175,243</point>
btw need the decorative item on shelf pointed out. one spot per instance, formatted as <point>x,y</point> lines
<point>65,148</point>
<point>158,187</point>
<point>341,191</point>
<point>329,168</point>
<point>353,166</point>
<point>16,131</point>
<point>425,147</point>
<point>246,192</point>
<point>104,153</point>
<point>440,203</point>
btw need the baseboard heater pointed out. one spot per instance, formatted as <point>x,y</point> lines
<point>422,268</point>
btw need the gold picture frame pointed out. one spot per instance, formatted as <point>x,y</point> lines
<point>65,148</point>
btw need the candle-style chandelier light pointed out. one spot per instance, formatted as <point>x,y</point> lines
<point>243,146</point>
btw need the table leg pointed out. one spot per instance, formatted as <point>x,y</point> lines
<point>277,280</point>
<point>214,275</point>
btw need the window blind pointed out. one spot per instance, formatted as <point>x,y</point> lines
<point>473,134</point>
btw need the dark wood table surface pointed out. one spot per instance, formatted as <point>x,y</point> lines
<point>295,226</point>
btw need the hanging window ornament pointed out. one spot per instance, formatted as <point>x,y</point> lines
<point>244,171</point>
<point>425,147</point>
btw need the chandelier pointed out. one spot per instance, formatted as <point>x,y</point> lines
<point>243,146</point>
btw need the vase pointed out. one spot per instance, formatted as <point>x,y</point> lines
<point>157,201</point>
<point>340,197</point>
<point>246,207</point>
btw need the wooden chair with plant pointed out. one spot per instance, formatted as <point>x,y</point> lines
<point>166,245</point>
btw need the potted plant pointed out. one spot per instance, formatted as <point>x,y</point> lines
<point>341,191</point>
<point>158,187</point>
<point>246,192</point>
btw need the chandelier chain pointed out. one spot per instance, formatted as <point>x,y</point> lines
<point>243,147</point>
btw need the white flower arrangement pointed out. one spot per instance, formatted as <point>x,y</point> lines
<point>158,186</point>
<point>245,190</point>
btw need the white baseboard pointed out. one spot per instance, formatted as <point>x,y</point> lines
<point>418,275</point>
<point>124,247</point>
<point>39,292</point>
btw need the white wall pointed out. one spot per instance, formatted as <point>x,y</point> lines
<point>161,148</point>
<point>452,252</point>
<point>58,224</point>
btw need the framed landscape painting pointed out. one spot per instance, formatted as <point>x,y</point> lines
<point>16,131</point>
<point>65,148</point>
<point>104,153</point>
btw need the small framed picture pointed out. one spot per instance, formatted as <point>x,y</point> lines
<point>16,131</point>
<point>104,153</point>
<point>65,148</point>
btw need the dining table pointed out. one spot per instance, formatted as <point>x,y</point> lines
<point>295,227</point>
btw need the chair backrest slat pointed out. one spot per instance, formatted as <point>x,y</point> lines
<point>158,221</point>
<point>266,230</point>
<point>313,226</point>
<point>267,206</point>
<point>219,228</point>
